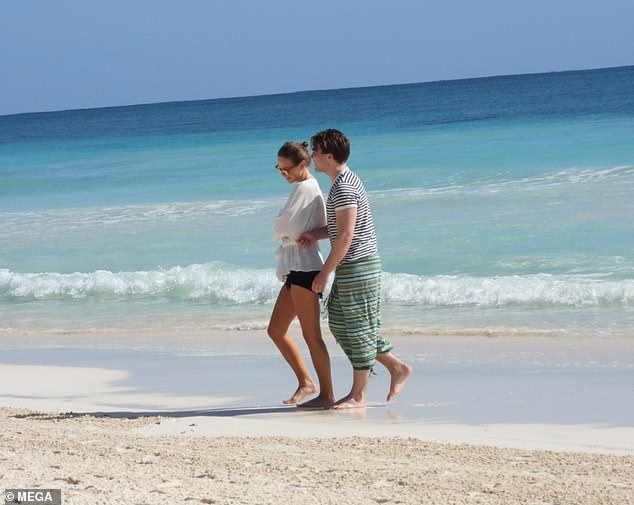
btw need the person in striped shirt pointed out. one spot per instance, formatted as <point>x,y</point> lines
<point>354,304</point>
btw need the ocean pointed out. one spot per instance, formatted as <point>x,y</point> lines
<point>503,206</point>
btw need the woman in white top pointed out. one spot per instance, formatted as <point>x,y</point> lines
<point>297,267</point>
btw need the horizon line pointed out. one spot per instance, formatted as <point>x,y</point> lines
<point>284,93</point>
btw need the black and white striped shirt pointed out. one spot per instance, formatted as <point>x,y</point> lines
<point>346,192</point>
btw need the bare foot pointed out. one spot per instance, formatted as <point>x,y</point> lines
<point>348,402</point>
<point>398,375</point>
<point>301,393</point>
<point>318,403</point>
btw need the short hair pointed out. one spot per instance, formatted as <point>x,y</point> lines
<point>332,142</point>
<point>296,152</point>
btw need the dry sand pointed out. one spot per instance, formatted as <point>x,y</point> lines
<point>99,460</point>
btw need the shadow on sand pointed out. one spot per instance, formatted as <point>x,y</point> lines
<point>224,412</point>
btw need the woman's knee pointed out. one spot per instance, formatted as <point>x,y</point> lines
<point>313,336</point>
<point>274,333</point>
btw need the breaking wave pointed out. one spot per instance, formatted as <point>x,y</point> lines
<point>219,284</point>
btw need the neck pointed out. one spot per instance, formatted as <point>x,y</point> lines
<point>305,176</point>
<point>334,172</point>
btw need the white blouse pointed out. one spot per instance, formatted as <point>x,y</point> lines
<point>304,211</point>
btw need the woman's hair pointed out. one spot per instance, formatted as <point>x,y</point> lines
<point>296,152</point>
<point>332,142</point>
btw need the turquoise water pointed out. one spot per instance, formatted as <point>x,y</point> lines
<point>502,205</point>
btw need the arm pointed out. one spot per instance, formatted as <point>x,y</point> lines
<point>308,238</point>
<point>346,221</point>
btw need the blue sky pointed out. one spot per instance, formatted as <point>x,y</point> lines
<point>67,54</point>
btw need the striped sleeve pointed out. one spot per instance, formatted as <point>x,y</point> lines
<point>346,197</point>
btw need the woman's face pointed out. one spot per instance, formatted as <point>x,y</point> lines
<point>290,171</point>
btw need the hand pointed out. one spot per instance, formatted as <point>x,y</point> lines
<point>306,240</point>
<point>319,283</point>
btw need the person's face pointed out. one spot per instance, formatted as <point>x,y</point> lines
<point>291,172</point>
<point>321,160</point>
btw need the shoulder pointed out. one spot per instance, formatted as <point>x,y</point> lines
<point>309,187</point>
<point>309,184</point>
<point>348,182</point>
<point>349,179</point>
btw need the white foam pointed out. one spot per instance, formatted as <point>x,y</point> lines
<point>623,175</point>
<point>210,281</point>
<point>220,284</point>
<point>20,223</point>
<point>541,290</point>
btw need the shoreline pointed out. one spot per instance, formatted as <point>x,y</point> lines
<point>256,331</point>
<point>544,393</point>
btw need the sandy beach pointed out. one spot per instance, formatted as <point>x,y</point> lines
<point>106,460</point>
<point>489,421</point>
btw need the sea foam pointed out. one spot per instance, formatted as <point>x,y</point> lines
<point>220,284</point>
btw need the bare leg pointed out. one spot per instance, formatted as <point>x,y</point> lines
<point>356,397</point>
<point>306,305</point>
<point>399,372</point>
<point>283,314</point>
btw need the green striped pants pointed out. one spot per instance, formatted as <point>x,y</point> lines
<point>354,311</point>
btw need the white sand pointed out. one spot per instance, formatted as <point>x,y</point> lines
<point>107,461</point>
<point>82,389</point>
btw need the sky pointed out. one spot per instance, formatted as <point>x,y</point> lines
<point>70,54</point>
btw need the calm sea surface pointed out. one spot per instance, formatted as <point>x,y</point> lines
<point>503,205</point>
